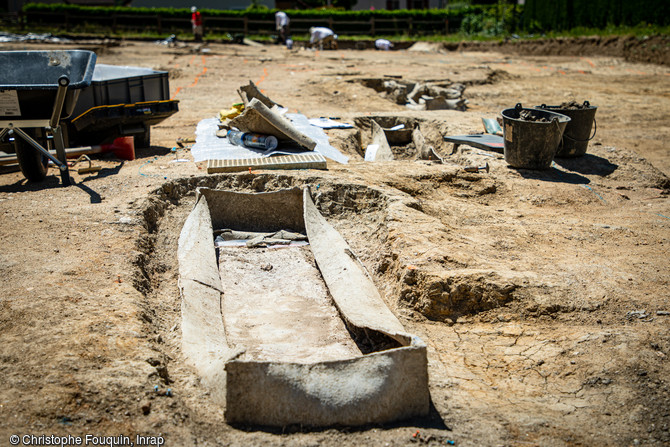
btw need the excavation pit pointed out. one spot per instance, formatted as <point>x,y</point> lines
<point>419,95</point>
<point>301,331</point>
<point>407,138</point>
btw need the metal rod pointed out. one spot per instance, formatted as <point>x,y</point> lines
<point>62,156</point>
<point>70,152</point>
<point>24,123</point>
<point>63,82</point>
<point>37,146</point>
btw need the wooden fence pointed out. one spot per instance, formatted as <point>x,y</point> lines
<point>238,25</point>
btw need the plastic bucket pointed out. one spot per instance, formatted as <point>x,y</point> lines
<point>531,136</point>
<point>578,131</point>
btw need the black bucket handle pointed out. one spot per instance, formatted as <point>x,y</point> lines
<point>554,120</point>
<point>544,106</point>
<point>595,129</point>
<point>595,126</point>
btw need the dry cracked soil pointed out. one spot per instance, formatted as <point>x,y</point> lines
<point>542,295</point>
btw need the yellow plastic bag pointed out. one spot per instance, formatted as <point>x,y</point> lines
<point>231,113</point>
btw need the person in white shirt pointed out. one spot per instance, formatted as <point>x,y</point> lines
<point>282,22</point>
<point>323,37</point>
<point>383,44</point>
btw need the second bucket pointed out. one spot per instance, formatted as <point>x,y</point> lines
<point>578,131</point>
<point>531,136</point>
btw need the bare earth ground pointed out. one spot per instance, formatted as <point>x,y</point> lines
<point>543,296</point>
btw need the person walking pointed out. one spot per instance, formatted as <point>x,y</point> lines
<point>282,24</point>
<point>196,21</point>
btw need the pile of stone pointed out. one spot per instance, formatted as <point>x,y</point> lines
<point>421,95</point>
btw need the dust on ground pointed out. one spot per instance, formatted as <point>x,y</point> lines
<point>542,295</point>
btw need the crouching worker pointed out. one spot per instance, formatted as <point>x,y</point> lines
<point>322,37</point>
<point>383,44</point>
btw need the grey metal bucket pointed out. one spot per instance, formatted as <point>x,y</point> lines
<point>531,144</point>
<point>578,131</point>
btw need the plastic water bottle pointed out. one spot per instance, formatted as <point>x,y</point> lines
<point>235,137</point>
<point>253,140</point>
<point>267,142</point>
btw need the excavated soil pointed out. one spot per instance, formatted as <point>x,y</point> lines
<point>542,295</point>
<point>653,49</point>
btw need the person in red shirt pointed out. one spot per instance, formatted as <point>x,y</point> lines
<point>196,21</point>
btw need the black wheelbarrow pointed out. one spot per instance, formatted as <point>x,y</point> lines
<point>38,91</point>
<point>121,101</point>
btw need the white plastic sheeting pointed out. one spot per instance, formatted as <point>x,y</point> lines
<point>210,147</point>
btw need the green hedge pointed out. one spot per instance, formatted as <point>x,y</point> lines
<point>96,11</point>
<point>497,19</point>
<point>173,20</point>
<point>541,15</point>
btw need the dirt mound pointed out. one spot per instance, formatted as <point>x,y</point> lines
<point>428,47</point>
<point>651,49</point>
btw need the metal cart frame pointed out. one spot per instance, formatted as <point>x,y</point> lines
<point>51,125</point>
<point>88,105</point>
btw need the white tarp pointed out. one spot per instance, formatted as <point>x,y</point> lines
<point>210,147</point>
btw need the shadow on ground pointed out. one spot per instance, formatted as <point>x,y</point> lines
<point>588,165</point>
<point>552,175</point>
<point>54,181</point>
<point>24,185</point>
<point>153,151</point>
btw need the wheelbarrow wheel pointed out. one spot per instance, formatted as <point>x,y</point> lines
<point>32,162</point>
